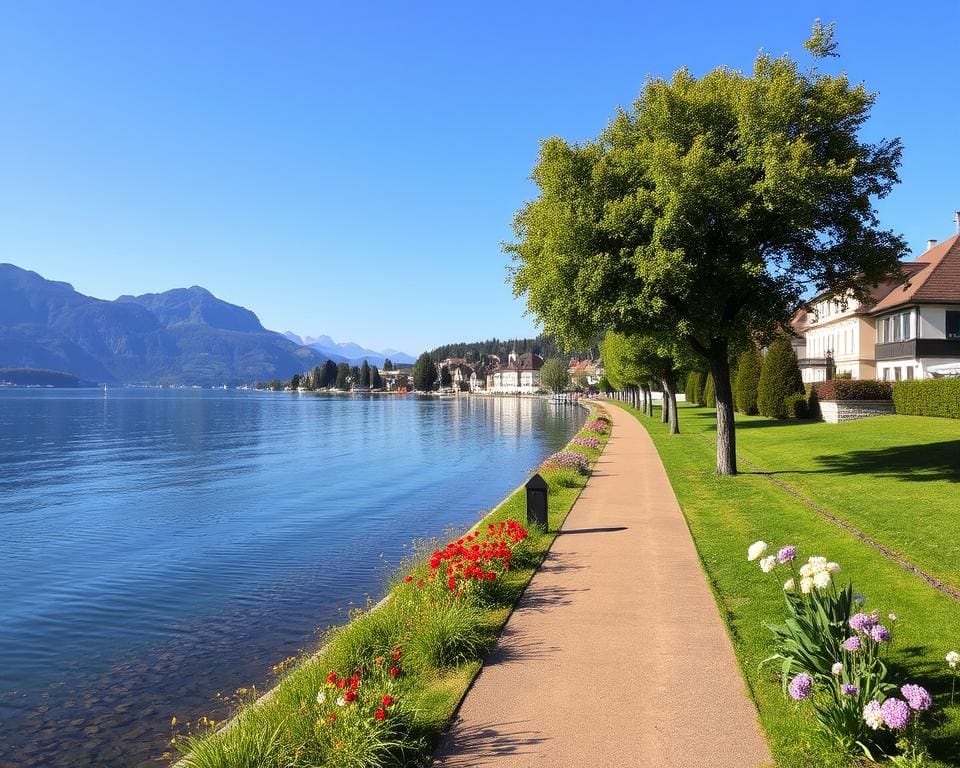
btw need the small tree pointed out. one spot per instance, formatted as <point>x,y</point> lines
<point>446,380</point>
<point>376,382</point>
<point>388,364</point>
<point>554,375</point>
<point>747,381</point>
<point>604,385</point>
<point>424,373</point>
<point>365,374</point>
<point>343,376</point>
<point>779,379</point>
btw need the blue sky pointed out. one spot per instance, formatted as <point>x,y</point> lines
<point>351,168</point>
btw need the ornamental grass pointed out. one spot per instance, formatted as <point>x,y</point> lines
<point>385,684</point>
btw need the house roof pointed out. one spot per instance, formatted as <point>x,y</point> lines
<point>525,362</point>
<point>934,277</point>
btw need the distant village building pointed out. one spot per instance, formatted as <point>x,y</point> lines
<point>591,370</point>
<point>905,330</point>
<point>521,375</point>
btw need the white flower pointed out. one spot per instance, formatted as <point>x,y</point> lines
<point>806,570</point>
<point>806,585</point>
<point>341,702</point>
<point>321,697</point>
<point>837,668</point>
<point>767,564</point>
<point>821,579</point>
<point>833,567</point>
<point>872,715</point>
<point>757,549</point>
<point>953,659</point>
<point>892,616</point>
<point>818,563</point>
<point>789,586</point>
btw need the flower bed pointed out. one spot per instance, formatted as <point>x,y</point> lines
<point>568,460</point>
<point>832,654</point>
<point>586,442</point>
<point>599,426</point>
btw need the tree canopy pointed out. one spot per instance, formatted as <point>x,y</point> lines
<point>710,207</point>
<point>424,373</point>
<point>554,375</point>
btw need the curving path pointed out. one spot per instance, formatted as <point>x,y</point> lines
<point>616,655</point>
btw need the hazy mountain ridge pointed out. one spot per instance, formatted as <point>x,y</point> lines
<point>182,336</point>
<point>348,351</point>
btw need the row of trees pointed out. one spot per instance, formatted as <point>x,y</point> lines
<point>701,217</point>
<point>333,375</point>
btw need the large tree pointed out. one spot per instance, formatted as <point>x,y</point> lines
<point>365,374</point>
<point>343,376</point>
<point>424,373</point>
<point>554,375</point>
<point>710,207</point>
<point>328,375</point>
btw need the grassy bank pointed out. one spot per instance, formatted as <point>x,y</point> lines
<point>828,462</point>
<point>383,687</point>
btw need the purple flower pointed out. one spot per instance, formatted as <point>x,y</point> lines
<point>586,442</point>
<point>568,460</point>
<point>862,622</point>
<point>786,554</point>
<point>801,687</point>
<point>851,644</point>
<point>879,633</point>
<point>848,689</point>
<point>917,697</point>
<point>896,714</point>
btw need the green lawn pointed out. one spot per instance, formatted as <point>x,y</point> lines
<point>851,470</point>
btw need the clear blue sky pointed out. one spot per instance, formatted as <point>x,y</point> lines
<point>320,163</point>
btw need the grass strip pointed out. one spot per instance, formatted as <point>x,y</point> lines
<point>420,652</point>
<point>726,514</point>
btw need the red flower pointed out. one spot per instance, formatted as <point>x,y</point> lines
<point>342,683</point>
<point>387,700</point>
<point>332,677</point>
<point>332,716</point>
<point>350,696</point>
<point>380,713</point>
<point>394,671</point>
<point>397,653</point>
<point>408,579</point>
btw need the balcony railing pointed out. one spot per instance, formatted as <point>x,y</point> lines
<point>917,348</point>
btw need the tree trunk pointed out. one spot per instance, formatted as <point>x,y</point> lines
<point>726,428</point>
<point>646,401</point>
<point>670,394</point>
<point>664,406</point>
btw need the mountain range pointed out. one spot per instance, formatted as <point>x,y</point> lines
<point>182,336</point>
<point>349,352</point>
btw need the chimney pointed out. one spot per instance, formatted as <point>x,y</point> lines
<point>931,244</point>
<point>956,220</point>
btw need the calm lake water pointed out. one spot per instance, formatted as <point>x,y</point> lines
<point>158,548</point>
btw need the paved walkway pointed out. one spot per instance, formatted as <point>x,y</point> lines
<point>616,656</point>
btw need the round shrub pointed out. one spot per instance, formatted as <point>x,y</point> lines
<point>779,378</point>
<point>746,382</point>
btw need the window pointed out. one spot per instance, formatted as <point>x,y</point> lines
<point>897,327</point>
<point>909,373</point>
<point>953,324</point>
<point>896,373</point>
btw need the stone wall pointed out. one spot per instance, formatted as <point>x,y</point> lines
<point>835,411</point>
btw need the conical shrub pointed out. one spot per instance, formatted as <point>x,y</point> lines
<point>745,385</point>
<point>779,379</point>
<point>709,393</point>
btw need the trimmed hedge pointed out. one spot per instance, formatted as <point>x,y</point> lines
<point>797,406</point>
<point>855,389</point>
<point>930,397</point>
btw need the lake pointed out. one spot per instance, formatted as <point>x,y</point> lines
<point>161,549</point>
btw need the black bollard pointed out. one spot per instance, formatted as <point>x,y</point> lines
<point>537,501</point>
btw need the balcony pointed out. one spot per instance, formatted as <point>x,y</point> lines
<point>914,349</point>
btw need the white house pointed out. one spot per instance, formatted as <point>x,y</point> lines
<point>907,329</point>
<point>521,375</point>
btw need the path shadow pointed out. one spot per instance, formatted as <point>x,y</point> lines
<point>919,463</point>
<point>611,529</point>
<point>483,744</point>
<point>543,600</point>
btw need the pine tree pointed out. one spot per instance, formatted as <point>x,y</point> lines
<point>375,381</point>
<point>779,378</point>
<point>445,378</point>
<point>343,376</point>
<point>693,386</point>
<point>747,381</point>
<point>365,375</point>
<point>328,375</point>
<point>388,364</point>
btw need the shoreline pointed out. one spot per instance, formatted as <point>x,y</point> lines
<point>314,658</point>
